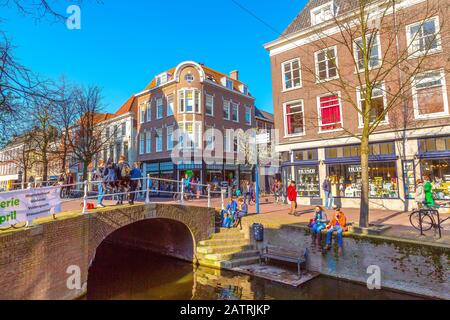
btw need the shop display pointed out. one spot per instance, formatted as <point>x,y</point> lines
<point>346,180</point>
<point>307,179</point>
<point>439,173</point>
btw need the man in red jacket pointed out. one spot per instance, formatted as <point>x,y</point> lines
<point>292,196</point>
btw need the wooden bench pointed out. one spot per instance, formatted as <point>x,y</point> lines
<point>280,254</point>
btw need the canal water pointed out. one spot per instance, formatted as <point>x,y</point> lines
<point>127,274</point>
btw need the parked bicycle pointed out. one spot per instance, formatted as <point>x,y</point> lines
<point>428,218</point>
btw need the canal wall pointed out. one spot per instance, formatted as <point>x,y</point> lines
<point>51,260</point>
<point>409,266</point>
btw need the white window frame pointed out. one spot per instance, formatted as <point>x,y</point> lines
<point>315,11</point>
<point>227,103</point>
<point>159,108</point>
<point>355,53</point>
<point>209,135</point>
<point>159,140</point>
<point>148,142</point>
<point>417,53</point>
<point>169,138</point>
<point>197,134</point>
<point>283,78</point>
<point>316,61</point>
<point>248,111</point>
<point>320,117</point>
<point>182,96</point>
<point>445,113</point>
<point>294,102</point>
<point>142,108</point>
<point>233,107</point>
<point>148,110</point>
<point>141,143</point>
<point>170,106</point>
<point>212,104</point>
<point>359,100</point>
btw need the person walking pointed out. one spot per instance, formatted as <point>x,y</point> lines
<point>292,196</point>
<point>326,186</point>
<point>428,189</point>
<point>98,178</point>
<point>123,175</point>
<point>276,190</point>
<point>135,180</point>
<point>420,194</point>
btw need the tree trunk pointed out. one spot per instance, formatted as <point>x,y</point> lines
<point>45,170</point>
<point>364,209</point>
<point>86,164</point>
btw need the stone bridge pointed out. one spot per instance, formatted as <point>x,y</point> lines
<point>37,262</point>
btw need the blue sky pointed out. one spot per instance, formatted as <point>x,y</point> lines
<point>123,44</point>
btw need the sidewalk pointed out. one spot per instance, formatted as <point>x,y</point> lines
<point>277,215</point>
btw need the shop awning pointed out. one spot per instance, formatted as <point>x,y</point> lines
<point>435,155</point>
<point>351,160</point>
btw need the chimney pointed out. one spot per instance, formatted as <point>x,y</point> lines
<point>234,75</point>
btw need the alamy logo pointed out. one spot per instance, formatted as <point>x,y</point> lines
<point>73,22</point>
<point>74,280</point>
<point>374,280</point>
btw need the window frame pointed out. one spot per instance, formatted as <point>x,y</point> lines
<point>359,99</point>
<point>316,10</point>
<point>338,94</point>
<point>316,62</point>
<point>169,138</point>
<point>234,111</point>
<point>293,102</point>
<point>141,143</point>
<point>227,102</point>
<point>248,111</point>
<point>415,54</point>
<point>159,108</point>
<point>142,109</point>
<point>159,137</point>
<point>416,106</point>
<point>148,142</point>
<point>148,111</point>
<point>197,98</point>
<point>355,53</point>
<point>283,78</point>
<point>169,97</point>
<point>212,105</point>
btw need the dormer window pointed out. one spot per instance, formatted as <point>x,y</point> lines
<point>229,83</point>
<point>162,79</point>
<point>244,89</point>
<point>323,13</point>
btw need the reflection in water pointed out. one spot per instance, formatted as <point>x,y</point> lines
<point>123,273</point>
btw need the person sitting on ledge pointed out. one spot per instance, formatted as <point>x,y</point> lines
<point>229,212</point>
<point>338,224</point>
<point>317,224</point>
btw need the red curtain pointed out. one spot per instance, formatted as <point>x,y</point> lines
<point>330,112</point>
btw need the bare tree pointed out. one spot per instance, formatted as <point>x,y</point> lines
<point>362,27</point>
<point>90,135</point>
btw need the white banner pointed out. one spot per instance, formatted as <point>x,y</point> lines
<point>24,205</point>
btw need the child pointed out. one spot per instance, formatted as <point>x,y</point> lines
<point>338,224</point>
<point>318,223</point>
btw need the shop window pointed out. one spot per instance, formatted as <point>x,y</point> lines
<point>295,118</point>
<point>307,179</point>
<point>330,113</point>
<point>430,95</point>
<point>346,180</point>
<point>434,144</point>
<point>439,173</point>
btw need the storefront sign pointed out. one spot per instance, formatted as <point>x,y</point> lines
<point>25,205</point>
<point>354,169</point>
<point>305,171</point>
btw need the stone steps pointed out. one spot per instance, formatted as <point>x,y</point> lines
<point>222,249</point>
<point>230,264</point>
<point>233,236</point>
<point>232,255</point>
<point>224,242</point>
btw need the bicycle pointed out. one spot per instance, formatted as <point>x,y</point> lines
<point>428,218</point>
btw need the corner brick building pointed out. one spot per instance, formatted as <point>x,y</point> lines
<point>192,99</point>
<point>314,121</point>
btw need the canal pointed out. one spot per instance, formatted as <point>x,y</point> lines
<point>128,274</point>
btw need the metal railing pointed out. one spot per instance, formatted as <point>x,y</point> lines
<point>117,190</point>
